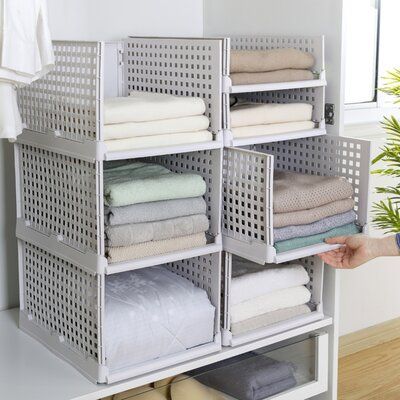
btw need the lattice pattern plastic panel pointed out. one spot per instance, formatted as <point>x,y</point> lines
<point>206,163</point>
<point>63,299</point>
<point>313,96</point>
<point>68,99</point>
<point>327,156</point>
<point>58,196</point>
<point>205,273</point>
<point>313,45</point>
<point>184,67</point>
<point>247,196</point>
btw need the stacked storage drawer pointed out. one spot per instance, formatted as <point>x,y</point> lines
<point>61,160</point>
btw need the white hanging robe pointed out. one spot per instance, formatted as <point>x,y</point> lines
<point>26,54</point>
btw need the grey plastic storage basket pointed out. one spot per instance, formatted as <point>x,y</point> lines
<point>62,306</point>
<point>61,207</point>
<point>315,268</point>
<point>248,177</point>
<point>312,91</point>
<point>64,110</point>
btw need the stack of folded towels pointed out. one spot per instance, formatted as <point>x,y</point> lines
<point>151,313</point>
<point>257,119</point>
<point>151,210</point>
<point>264,295</point>
<point>145,119</point>
<point>309,208</point>
<point>270,66</point>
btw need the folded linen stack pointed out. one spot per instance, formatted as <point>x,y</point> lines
<point>268,294</point>
<point>145,119</point>
<point>309,208</point>
<point>270,66</point>
<point>248,377</point>
<point>151,313</point>
<point>257,119</point>
<point>151,210</point>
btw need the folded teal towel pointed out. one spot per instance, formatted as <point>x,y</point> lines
<point>137,182</point>
<point>291,244</point>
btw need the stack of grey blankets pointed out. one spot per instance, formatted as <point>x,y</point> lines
<point>248,376</point>
<point>152,211</point>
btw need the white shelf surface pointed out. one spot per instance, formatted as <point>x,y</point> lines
<point>247,141</point>
<point>30,371</point>
<point>267,87</point>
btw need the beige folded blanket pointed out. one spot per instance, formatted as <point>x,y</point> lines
<point>184,387</point>
<point>270,60</point>
<point>270,318</point>
<point>250,114</point>
<point>294,191</point>
<point>165,126</point>
<point>119,254</point>
<point>304,217</point>
<point>130,234</point>
<point>271,129</point>
<point>147,106</point>
<point>144,142</point>
<point>284,75</point>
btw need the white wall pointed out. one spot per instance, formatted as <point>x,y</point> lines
<point>370,294</point>
<point>286,17</point>
<point>107,20</point>
<point>88,20</point>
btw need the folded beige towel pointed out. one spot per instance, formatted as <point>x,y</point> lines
<point>250,114</point>
<point>270,60</point>
<point>294,191</point>
<point>284,75</point>
<point>129,394</point>
<point>184,387</point>
<point>304,217</point>
<point>120,254</point>
<point>161,127</point>
<point>270,318</point>
<point>144,142</point>
<point>271,129</point>
<point>146,106</point>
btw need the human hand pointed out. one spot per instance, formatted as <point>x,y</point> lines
<point>357,250</point>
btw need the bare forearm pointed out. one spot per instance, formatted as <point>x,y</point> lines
<point>387,246</point>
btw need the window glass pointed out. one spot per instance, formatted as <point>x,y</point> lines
<point>361,34</point>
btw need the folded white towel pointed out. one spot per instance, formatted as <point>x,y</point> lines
<point>270,302</point>
<point>250,114</point>
<point>146,106</point>
<point>143,142</point>
<point>161,127</point>
<point>252,280</point>
<point>272,129</point>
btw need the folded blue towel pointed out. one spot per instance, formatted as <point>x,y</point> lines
<point>291,244</point>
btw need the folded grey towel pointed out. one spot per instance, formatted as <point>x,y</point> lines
<point>321,226</point>
<point>248,377</point>
<point>130,234</point>
<point>294,191</point>
<point>154,211</point>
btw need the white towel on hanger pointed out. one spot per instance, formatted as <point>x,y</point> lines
<point>25,45</point>
<point>10,119</point>
<point>26,54</point>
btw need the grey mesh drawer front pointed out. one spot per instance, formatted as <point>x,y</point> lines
<point>248,179</point>
<point>63,306</point>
